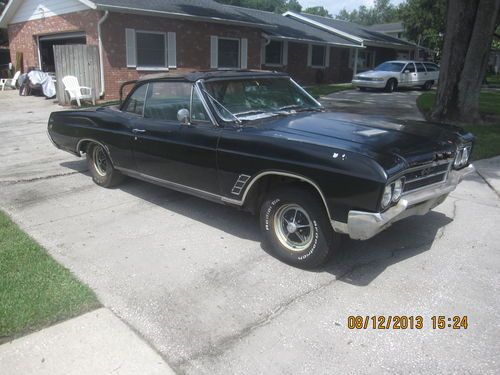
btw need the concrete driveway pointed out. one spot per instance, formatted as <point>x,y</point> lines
<point>191,277</point>
<point>399,104</point>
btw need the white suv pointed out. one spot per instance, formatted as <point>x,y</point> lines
<point>391,74</point>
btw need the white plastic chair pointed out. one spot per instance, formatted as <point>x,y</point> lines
<point>77,92</point>
<point>10,82</point>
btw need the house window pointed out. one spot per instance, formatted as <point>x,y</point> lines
<point>274,53</point>
<point>151,51</point>
<point>318,55</point>
<point>228,53</point>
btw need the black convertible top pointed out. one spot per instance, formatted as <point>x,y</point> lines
<point>213,74</point>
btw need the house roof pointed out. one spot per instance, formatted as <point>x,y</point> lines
<point>207,10</point>
<point>289,28</point>
<point>351,30</point>
<point>200,10</point>
<point>392,27</point>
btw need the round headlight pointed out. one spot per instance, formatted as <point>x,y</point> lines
<point>398,190</point>
<point>386,198</point>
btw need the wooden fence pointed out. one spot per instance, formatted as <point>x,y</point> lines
<point>81,61</point>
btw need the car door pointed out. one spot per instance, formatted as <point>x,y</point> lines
<point>170,151</point>
<point>432,71</point>
<point>422,75</point>
<point>409,75</point>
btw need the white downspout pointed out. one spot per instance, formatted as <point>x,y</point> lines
<point>101,54</point>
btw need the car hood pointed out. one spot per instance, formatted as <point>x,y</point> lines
<point>416,142</point>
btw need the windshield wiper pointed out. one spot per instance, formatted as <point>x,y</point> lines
<point>293,106</point>
<point>252,112</point>
<point>299,108</point>
<point>222,106</point>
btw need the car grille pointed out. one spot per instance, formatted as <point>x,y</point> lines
<point>426,175</point>
<point>361,78</point>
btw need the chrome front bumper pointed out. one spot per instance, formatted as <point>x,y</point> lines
<point>369,84</point>
<point>364,225</point>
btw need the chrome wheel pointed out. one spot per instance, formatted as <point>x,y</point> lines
<point>100,160</point>
<point>293,227</point>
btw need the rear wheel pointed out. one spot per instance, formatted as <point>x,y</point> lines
<point>101,168</point>
<point>391,85</point>
<point>427,85</point>
<point>295,227</point>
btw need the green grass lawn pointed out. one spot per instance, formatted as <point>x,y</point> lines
<point>489,102</point>
<point>319,90</point>
<point>35,291</point>
<point>487,135</point>
<point>493,79</point>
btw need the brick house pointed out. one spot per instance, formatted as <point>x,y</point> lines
<point>140,37</point>
<point>377,47</point>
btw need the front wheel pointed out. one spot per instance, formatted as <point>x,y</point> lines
<point>101,167</point>
<point>391,85</point>
<point>296,228</point>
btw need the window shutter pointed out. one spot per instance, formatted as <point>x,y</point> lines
<point>214,52</point>
<point>244,53</point>
<point>172,50</point>
<point>285,53</point>
<point>327,56</point>
<point>309,55</point>
<point>130,48</point>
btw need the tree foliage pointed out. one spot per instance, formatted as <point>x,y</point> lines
<point>382,11</point>
<point>424,22</point>
<point>318,11</point>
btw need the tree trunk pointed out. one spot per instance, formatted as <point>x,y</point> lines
<point>470,25</point>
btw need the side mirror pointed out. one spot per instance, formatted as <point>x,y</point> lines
<point>183,116</point>
<point>407,71</point>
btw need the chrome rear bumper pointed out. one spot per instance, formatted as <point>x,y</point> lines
<point>364,225</point>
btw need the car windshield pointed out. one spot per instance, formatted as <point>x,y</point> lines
<point>251,99</point>
<point>390,67</point>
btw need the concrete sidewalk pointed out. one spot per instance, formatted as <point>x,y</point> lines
<point>489,170</point>
<point>94,343</point>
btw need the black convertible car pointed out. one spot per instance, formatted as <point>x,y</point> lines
<point>258,141</point>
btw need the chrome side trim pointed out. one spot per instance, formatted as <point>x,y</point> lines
<point>285,174</point>
<point>172,185</point>
<point>79,152</point>
<point>217,197</point>
<point>240,184</point>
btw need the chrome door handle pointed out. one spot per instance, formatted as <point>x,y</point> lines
<point>138,131</point>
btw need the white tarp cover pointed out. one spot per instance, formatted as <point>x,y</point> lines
<point>48,87</point>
